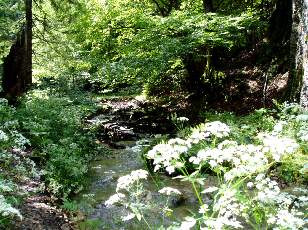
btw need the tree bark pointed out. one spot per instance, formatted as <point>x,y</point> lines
<point>280,24</point>
<point>17,66</point>
<point>28,43</point>
<point>298,81</point>
<point>304,44</point>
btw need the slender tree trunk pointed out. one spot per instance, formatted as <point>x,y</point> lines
<point>28,43</point>
<point>17,66</point>
<point>208,6</point>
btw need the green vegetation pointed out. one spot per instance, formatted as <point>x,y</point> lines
<point>245,154</point>
<point>182,57</point>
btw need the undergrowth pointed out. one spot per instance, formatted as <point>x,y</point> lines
<point>260,162</point>
<point>47,132</point>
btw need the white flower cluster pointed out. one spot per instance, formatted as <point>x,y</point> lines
<point>268,189</point>
<point>244,159</point>
<point>241,165</point>
<point>287,215</point>
<point>7,210</point>
<point>3,136</point>
<point>220,223</point>
<point>166,155</point>
<point>228,208</point>
<point>126,181</point>
<point>278,146</point>
<point>302,117</point>
<point>303,133</point>
<point>168,191</point>
<point>10,124</point>
<point>286,220</point>
<point>116,198</point>
<point>3,102</point>
<point>188,223</point>
<point>278,128</point>
<point>19,140</point>
<point>132,197</point>
<point>207,130</point>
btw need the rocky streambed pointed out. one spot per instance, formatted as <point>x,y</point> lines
<point>127,127</point>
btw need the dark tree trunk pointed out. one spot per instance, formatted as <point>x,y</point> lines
<point>208,6</point>
<point>298,81</point>
<point>195,67</point>
<point>28,42</point>
<point>280,24</point>
<point>165,7</point>
<point>17,66</point>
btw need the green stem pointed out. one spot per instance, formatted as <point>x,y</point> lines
<point>146,222</point>
<point>197,193</point>
<point>184,171</point>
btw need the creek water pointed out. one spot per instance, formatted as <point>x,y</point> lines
<point>103,175</point>
<point>126,120</point>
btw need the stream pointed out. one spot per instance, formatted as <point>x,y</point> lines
<point>124,157</point>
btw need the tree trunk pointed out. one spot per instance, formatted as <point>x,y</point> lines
<point>298,82</point>
<point>28,43</point>
<point>280,24</point>
<point>304,44</point>
<point>208,6</point>
<point>17,66</point>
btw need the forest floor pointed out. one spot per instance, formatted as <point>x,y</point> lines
<point>40,214</point>
<point>253,78</point>
<point>39,210</point>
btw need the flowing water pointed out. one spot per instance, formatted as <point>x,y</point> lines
<point>125,120</point>
<point>104,173</point>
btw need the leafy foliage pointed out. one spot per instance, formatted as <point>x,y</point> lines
<point>11,18</point>
<point>54,126</point>
<point>116,43</point>
<point>248,192</point>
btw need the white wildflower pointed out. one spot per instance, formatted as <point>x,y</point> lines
<point>19,140</point>
<point>203,209</point>
<point>167,155</point>
<point>139,174</point>
<point>170,169</point>
<point>220,222</point>
<point>168,191</point>
<point>250,185</point>
<point>3,136</point>
<point>278,146</point>
<point>3,102</point>
<point>128,217</point>
<point>126,181</point>
<point>286,220</point>
<point>227,143</point>
<point>182,119</point>
<point>210,190</point>
<point>279,127</point>
<point>302,117</point>
<point>188,223</point>
<point>213,163</point>
<point>204,131</point>
<point>114,199</point>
